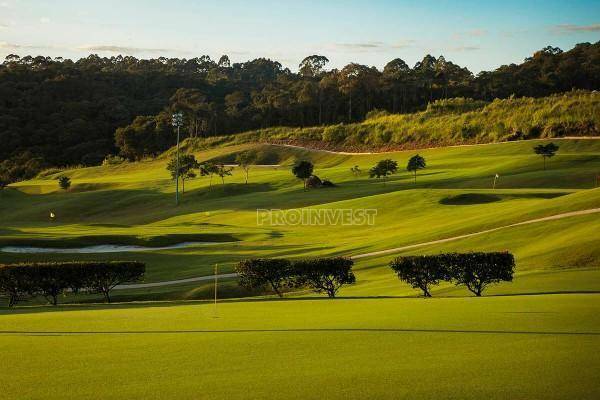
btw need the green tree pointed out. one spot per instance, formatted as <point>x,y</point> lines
<point>208,169</point>
<point>415,163</point>
<point>187,165</point>
<point>259,272</point>
<point>303,170</point>
<point>312,66</point>
<point>64,182</point>
<point>546,151</point>
<point>324,274</point>
<point>383,168</point>
<point>478,270</point>
<point>245,161</point>
<point>420,271</point>
<point>222,171</point>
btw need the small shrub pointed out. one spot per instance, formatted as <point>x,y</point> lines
<point>64,182</point>
<point>314,182</point>
<point>113,160</point>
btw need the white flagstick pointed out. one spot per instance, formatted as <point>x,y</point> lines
<point>216,285</point>
<point>495,177</point>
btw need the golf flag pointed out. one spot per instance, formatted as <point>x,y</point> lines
<point>497,176</point>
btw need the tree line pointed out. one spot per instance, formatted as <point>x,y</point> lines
<point>52,279</point>
<point>475,270</point>
<point>57,112</point>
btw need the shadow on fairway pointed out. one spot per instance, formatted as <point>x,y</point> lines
<point>294,330</point>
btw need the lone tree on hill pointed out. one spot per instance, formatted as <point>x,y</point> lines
<point>245,160</point>
<point>187,164</point>
<point>64,182</point>
<point>303,170</point>
<point>259,272</point>
<point>383,169</point>
<point>415,163</point>
<point>546,151</point>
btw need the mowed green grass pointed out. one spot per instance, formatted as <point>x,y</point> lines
<point>134,203</point>
<point>535,337</point>
<point>385,348</point>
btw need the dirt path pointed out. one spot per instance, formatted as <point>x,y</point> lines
<point>375,253</point>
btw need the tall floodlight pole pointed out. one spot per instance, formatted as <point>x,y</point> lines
<point>177,122</point>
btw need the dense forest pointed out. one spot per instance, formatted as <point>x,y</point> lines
<point>56,112</point>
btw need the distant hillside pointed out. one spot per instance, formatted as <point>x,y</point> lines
<point>445,122</point>
<point>57,112</point>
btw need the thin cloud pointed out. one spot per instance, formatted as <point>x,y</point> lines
<point>403,44</point>
<point>366,45</point>
<point>373,46</point>
<point>465,48</point>
<point>469,34</point>
<point>122,49</point>
<point>572,28</point>
<point>15,46</point>
<point>476,32</point>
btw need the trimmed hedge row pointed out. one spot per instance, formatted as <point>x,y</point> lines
<point>320,274</point>
<point>475,270</point>
<point>52,279</point>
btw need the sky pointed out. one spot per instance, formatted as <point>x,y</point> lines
<point>481,35</point>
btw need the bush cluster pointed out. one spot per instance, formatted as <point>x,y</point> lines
<point>322,275</point>
<point>475,270</point>
<point>51,279</point>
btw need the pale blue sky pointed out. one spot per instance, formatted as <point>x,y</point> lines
<point>477,34</point>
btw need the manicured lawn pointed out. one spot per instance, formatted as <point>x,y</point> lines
<point>494,348</point>
<point>133,203</point>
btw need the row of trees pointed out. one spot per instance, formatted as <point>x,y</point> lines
<point>56,112</point>
<point>52,279</point>
<point>474,270</point>
<point>322,275</point>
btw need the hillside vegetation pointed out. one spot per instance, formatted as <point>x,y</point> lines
<point>56,112</point>
<point>445,122</point>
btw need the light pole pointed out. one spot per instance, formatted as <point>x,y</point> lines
<point>177,122</point>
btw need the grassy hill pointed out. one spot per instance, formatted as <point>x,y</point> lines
<point>529,338</point>
<point>444,122</point>
<point>133,203</point>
